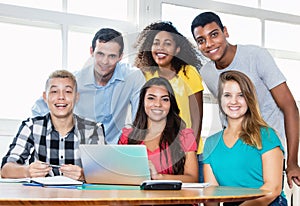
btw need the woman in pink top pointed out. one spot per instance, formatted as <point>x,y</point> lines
<point>171,146</point>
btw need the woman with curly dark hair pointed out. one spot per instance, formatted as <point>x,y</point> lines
<point>164,52</point>
<point>171,147</point>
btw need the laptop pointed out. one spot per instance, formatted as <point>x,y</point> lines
<point>115,164</point>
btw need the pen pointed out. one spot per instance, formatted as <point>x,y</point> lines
<point>51,165</point>
<point>54,166</point>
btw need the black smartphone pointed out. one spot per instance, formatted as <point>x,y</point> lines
<point>161,185</point>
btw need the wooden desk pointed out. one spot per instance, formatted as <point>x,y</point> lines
<point>17,194</point>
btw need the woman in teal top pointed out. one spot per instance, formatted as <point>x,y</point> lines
<point>247,153</point>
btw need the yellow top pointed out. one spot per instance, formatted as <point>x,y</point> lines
<point>184,86</point>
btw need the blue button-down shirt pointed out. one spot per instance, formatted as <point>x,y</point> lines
<point>107,104</point>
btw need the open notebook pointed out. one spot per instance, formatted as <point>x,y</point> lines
<point>45,181</point>
<point>55,181</point>
<point>115,164</point>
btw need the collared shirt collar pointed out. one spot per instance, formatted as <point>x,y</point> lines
<point>89,78</point>
<point>50,126</point>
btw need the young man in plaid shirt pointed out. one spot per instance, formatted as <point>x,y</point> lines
<point>53,139</point>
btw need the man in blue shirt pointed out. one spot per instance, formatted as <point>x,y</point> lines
<point>107,88</point>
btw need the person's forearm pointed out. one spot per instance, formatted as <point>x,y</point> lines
<point>275,191</point>
<point>257,202</point>
<point>14,170</point>
<point>262,201</point>
<point>196,112</point>
<point>197,126</point>
<point>292,134</point>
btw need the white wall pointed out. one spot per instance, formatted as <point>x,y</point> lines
<point>8,128</point>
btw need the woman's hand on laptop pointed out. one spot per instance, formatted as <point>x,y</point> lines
<point>72,171</point>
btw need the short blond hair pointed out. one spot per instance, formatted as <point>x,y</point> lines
<point>62,74</point>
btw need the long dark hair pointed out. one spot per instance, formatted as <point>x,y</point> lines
<point>187,55</point>
<point>171,132</point>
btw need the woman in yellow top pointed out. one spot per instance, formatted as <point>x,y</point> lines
<point>164,52</point>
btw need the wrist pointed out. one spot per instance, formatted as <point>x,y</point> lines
<point>27,171</point>
<point>158,176</point>
<point>292,160</point>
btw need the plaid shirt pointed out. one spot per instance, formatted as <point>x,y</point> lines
<point>37,139</point>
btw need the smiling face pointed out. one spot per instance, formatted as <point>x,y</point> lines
<point>233,102</point>
<point>164,48</point>
<point>211,41</point>
<point>106,56</point>
<point>61,97</point>
<point>157,104</point>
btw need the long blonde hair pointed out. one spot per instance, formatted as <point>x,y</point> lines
<point>253,120</point>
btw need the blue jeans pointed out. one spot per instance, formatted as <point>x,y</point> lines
<point>279,201</point>
<point>200,165</point>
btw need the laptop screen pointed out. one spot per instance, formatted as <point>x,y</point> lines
<point>115,164</point>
